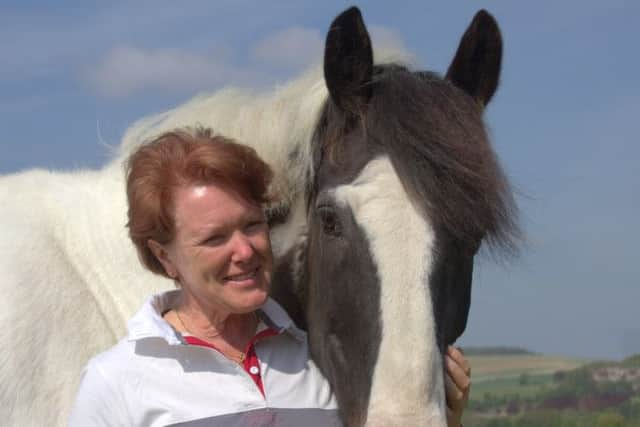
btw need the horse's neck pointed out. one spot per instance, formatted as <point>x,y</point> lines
<point>98,244</point>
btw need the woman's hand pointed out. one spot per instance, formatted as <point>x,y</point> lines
<point>457,385</point>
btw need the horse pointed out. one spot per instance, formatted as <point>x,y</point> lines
<point>386,186</point>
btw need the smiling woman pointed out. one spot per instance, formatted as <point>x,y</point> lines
<point>217,351</point>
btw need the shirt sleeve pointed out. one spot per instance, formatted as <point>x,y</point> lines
<point>98,402</point>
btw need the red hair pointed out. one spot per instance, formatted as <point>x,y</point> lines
<point>179,158</point>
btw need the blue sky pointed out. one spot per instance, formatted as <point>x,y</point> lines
<point>565,123</point>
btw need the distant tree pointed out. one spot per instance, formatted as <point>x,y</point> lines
<point>616,387</point>
<point>513,407</point>
<point>630,410</point>
<point>559,376</point>
<point>577,383</point>
<point>632,361</point>
<point>524,378</point>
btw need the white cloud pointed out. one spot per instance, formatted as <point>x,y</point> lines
<point>127,70</point>
<point>389,45</point>
<point>47,39</point>
<point>294,47</point>
<point>297,47</point>
<point>386,38</point>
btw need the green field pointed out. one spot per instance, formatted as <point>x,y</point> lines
<point>523,386</point>
<point>491,367</point>
<point>517,389</point>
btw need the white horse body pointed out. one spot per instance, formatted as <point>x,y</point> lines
<point>71,277</point>
<point>70,281</point>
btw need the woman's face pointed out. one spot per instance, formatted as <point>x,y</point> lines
<point>221,253</point>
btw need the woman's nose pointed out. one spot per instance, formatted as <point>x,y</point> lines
<point>243,249</point>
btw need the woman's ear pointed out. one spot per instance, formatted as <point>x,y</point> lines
<point>162,255</point>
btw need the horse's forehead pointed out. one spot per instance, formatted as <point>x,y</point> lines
<point>375,183</point>
<point>343,159</point>
<point>377,198</point>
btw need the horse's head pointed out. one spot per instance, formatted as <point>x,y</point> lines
<point>405,188</point>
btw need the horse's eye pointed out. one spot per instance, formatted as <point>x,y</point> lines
<point>330,221</point>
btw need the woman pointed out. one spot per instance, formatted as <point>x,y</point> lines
<point>217,351</point>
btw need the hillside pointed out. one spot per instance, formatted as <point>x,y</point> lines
<point>521,388</point>
<point>496,351</point>
<point>489,367</point>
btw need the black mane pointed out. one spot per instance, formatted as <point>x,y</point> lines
<point>436,138</point>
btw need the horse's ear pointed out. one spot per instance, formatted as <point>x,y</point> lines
<point>476,66</point>
<point>348,61</point>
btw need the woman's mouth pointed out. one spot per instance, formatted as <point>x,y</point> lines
<point>243,279</point>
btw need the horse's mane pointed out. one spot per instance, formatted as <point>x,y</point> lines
<point>279,123</point>
<point>436,139</point>
<point>456,174</point>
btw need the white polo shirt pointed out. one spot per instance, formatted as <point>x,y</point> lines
<point>153,377</point>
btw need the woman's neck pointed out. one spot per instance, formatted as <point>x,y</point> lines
<point>213,324</point>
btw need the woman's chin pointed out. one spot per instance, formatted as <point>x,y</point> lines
<point>252,301</point>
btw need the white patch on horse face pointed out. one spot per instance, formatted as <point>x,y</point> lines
<point>407,385</point>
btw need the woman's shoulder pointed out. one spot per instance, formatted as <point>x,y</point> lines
<point>100,400</point>
<point>114,359</point>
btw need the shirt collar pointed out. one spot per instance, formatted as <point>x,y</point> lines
<point>149,323</point>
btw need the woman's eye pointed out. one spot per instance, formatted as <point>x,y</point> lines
<point>214,240</point>
<point>254,226</point>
